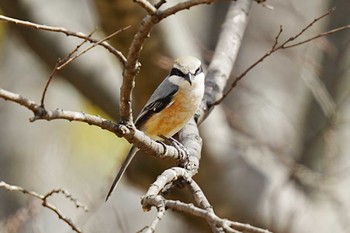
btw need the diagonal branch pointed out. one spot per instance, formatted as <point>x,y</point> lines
<point>67,32</point>
<point>284,45</point>
<point>48,205</point>
<point>61,63</point>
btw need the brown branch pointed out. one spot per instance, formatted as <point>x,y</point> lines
<point>318,36</point>
<point>55,69</point>
<point>61,63</point>
<point>227,225</point>
<point>46,204</point>
<point>309,26</point>
<point>147,6</point>
<point>285,45</point>
<point>152,198</point>
<point>67,32</point>
<point>121,130</point>
<point>72,58</point>
<point>132,65</point>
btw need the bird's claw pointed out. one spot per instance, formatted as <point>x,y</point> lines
<point>173,142</point>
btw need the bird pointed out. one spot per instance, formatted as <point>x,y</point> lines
<point>170,107</point>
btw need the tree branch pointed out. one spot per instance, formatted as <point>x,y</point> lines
<point>61,63</point>
<point>225,55</point>
<point>130,133</point>
<point>48,205</point>
<point>132,65</point>
<point>67,32</point>
<point>205,211</point>
<point>285,45</point>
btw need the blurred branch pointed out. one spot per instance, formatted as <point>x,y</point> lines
<point>285,45</point>
<point>46,204</point>
<point>67,32</point>
<point>147,24</point>
<point>49,49</point>
<point>236,22</point>
<point>225,55</point>
<point>147,6</point>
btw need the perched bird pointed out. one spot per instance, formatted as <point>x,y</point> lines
<point>170,106</point>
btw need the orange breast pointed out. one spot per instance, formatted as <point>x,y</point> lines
<point>171,119</point>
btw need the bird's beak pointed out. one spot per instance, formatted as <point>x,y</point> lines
<point>189,78</point>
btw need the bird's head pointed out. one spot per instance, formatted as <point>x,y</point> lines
<point>187,68</point>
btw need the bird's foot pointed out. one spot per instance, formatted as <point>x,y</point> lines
<point>173,142</point>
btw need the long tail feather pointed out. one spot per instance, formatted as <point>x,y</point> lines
<point>122,169</point>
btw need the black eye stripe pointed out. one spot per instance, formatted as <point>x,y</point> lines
<point>175,71</point>
<point>199,70</point>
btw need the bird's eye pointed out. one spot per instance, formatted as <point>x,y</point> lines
<point>177,72</point>
<point>198,71</point>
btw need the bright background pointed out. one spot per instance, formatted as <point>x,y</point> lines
<point>275,153</point>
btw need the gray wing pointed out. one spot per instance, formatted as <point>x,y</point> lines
<point>160,98</point>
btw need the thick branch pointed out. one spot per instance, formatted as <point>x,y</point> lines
<point>128,132</point>
<point>225,55</point>
<point>132,65</point>
<point>152,198</point>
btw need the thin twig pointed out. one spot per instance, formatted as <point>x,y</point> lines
<point>56,68</point>
<point>80,35</point>
<point>69,196</point>
<point>309,26</point>
<point>72,58</point>
<point>61,63</point>
<point>45,202</point>
<point>275,47</point>
<point>318,36</point>
<point>52,74</point>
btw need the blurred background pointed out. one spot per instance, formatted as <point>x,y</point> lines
<point>275,153</point>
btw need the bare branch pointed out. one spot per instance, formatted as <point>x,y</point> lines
<point>225,55</point>
<point>55,69</point>
<point>147,6</point>
<point>80,35</point>
<point>159,4</point>
<point>45,202</point>
<point>210,217</point>
<point>205,211</point>
<point>68,196</point>
<point>61,63</point>
<point>284,45</point>
<point>135,49</point>
<point>160,213</point>
<point>309,26</point>
<point>318,36</point>
<point>130,133</point>
<point>193,210</point>
<point>72,58</point>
